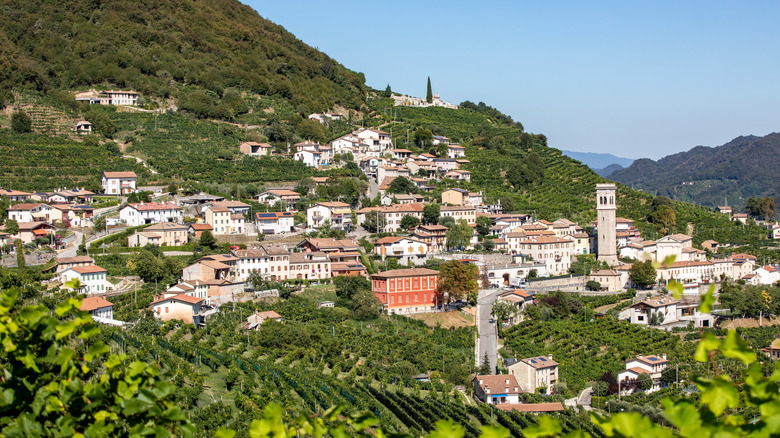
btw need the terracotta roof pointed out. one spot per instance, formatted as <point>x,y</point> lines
<point>636,370</point>
<point>77,259</point>
<point>268,314</point>
<point>29,226</point>
<point>651,360</point>
<point>605,272</point>
<point>181,297</point>
<point>23,207</point>
<point>281,192</point>
<point>152,206</point>
<point>217,209</point>
<point>214,264</point>
<point>120,174</point>
<point>540,362</point>
<point>388,239</point>
<point>201,227</point>
<point>333,204</point>
<point>94,303</point>
<point>413,272</point>
<point>656,302</point>
<point>497,384</point>
<point>88,269</point>
<point>165,226</point>
<point>532,407</point>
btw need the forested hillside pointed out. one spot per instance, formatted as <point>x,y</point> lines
<point>744,167</point>
<point>162,49</point>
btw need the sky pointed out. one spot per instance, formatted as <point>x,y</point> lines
<point>635,79</point>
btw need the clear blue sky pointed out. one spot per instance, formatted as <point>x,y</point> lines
<point>635,79</point>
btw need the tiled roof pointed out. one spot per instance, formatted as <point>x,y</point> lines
<point>540,362</point>
<point>88,269</point>
<point>531,407</point>
<point>499,384</point>
<point>152,206</point>
<point>201,227</point>
<point>77,259</point>
<point>181,297</point>
<point>94,303</point>
<point>413,272</point>
<point>120,174</point>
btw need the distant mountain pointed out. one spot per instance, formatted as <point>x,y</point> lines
<point>609,170</point>
<point>746,166</point>
<point>598,161</point>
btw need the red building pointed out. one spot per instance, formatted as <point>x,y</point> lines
<point>406,291</point>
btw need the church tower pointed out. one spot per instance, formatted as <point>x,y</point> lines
<point>607,210</point>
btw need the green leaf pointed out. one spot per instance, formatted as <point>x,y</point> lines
<point>707,300</point>
<point>547,426</point>
<point>708,343</point>
<point>224,433</point>
<point>735,347</point>
<point>677,289</point>
<point>447,429</point>
<point>494,432</point>
<point>718,394</point>
<point>682,414</point>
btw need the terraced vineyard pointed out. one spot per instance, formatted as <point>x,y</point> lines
<point>585,350</point>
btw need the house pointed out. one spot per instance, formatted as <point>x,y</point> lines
<point>534,373</point>
<point>404,249</point>
<point>389,199</point>
<point>255,149</point>
<point>71,196</point>
<point>92,279</point>
<point>118,97</point>
<point>64,263</point>
<point>533,408</point>
<point>455,151</point>
<point>391,215</point>
<point>326,304</point>
<point>83,127</point>
<point>309,266</point>
<point>237,223</point>
<point>161,234</point>
<point>497,389</point>
<point>767,275</point>
<point>652,365</point>
<point>150,213</point>
<point>661,307</point>
<point>406,291</point>
<point>457,196</point>
<point>15,195</point>
<point>275,222</point>
<point>118,183</point>
<point>458,212</point>
<point>29,231</point>
<point>219,219</point>
<point>192,288</point>
<point>517,297</point>
<point>29,212</point>
<point>554,252</point>
<point>377,140</point>
<point>773,350</point>
<point>261,317</point>
<point>97,307</point>
<point>459,175</point>
<point>348,269</point>
<point>205,270</point>
<point>339,214</point>
<point>329,245</point>
<point>401,154</point>
<point>440,139</point>
<point>725,209</point>
<point>198,229</point>
<point>271,197</point>
<point>740,217</point>
<point>435,236</point>
<point>609,279</point>
<point>444,165</point>
<point>180,306</point>
<point>710,245</point>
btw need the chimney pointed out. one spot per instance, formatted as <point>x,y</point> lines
<point>664,356</point>
<point>549,356</point>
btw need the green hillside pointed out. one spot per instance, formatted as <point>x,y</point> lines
<point>158,47</point>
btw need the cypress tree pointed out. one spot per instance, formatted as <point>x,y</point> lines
<point>20,255</point>
<point>429,94</point>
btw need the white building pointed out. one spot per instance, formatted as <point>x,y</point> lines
<point>98,307</point>
<point>118,183</point>
<point>275,222</point>
<point>497,389</point>
<point>535,372</point>
<point>92,278</point>
<point>554,252</point>
<point>180,306</point>
<point>652,365</point>
<point>150,213</point>
<point>404,249</point>
<point>339,214</point>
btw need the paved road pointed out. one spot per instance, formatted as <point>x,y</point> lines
<point>71,250</point>
<point>487,341</point>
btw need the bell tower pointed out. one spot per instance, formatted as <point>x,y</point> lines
<point>607,210</point>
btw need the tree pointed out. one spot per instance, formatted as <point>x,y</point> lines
<point>765,208</point>
<point>21,122</point>
<point>19,255</point>
<point>502,311</point>
<point>172,189</point>
<point>401,185</point>
<point>593,285</point>
<point>99,223</point>
<point>664,219</point>
<point>375,222</point>
<point>429,92</point>
<point>642,274</point>
<point>644,381</point>
<point>431,214</point>
<point>312,130</point>
<point>459,235</point>
<point>388,91</point>
<point>347,287</point>
<point>423,138</point>
<point>147,266</point>
<point>409,221</point>
<point>483,225</point>
<point>305,186</point>
<point>11,227</point>
<point>457,281</point>
<point>484,368</point>
<point>207,239</point>
<point>364,304</point>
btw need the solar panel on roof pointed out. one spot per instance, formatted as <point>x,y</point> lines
<point>543,359</point>
<point>652,359</point>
